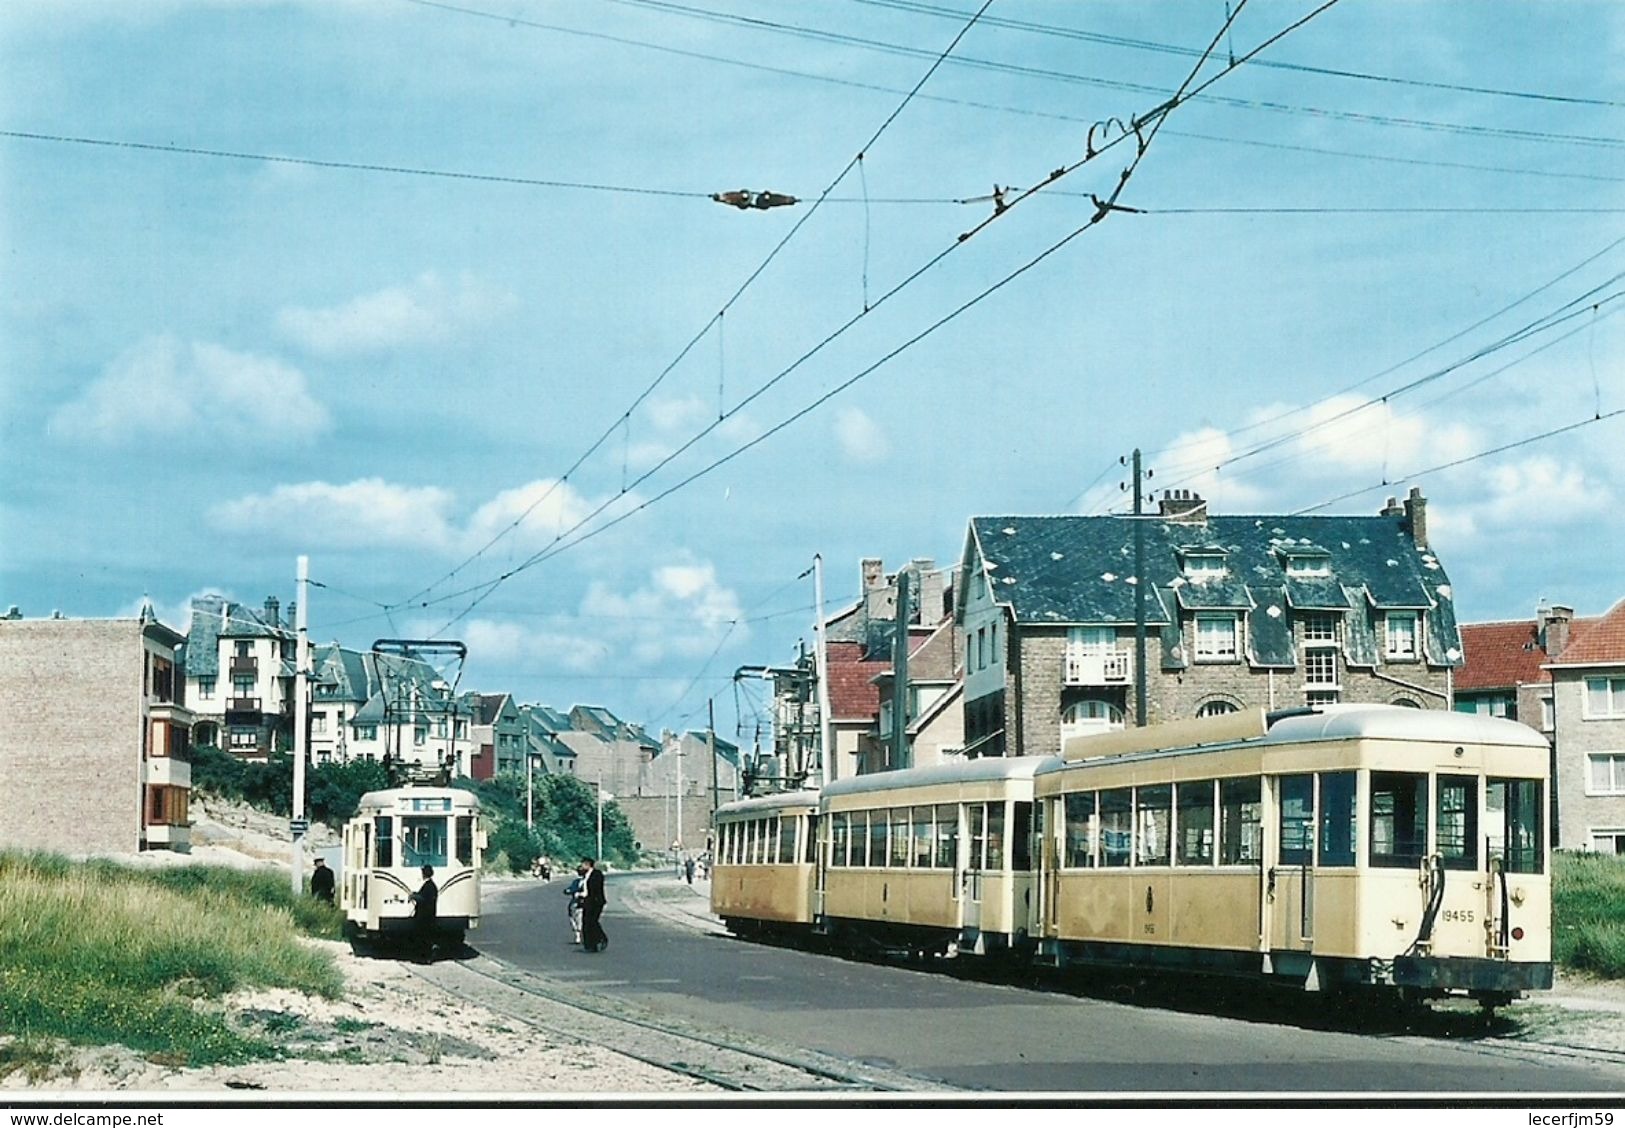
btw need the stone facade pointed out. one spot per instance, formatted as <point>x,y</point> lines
<point>1588,698</point>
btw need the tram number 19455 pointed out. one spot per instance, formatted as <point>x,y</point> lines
<point>1458,916</point>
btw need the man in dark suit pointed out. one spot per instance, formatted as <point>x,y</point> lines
<point>425,906</point>
<point>321,882</point>
<point>592,932</point>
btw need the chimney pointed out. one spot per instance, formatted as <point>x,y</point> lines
<point>271,607</point>
<point>1391,509</point>
<point>14,612</point>
<point>879,597</point>
<point>871,573</point>
<point>927,591</point>
<point>1182,505</point>
<point>1416,516</point>
<point>1555,624</point>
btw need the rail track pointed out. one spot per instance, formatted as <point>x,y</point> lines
<point>728,1061</point>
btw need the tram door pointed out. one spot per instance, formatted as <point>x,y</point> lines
<point>818,853</point>
<point>1290,881</point>
<point>970,881</point>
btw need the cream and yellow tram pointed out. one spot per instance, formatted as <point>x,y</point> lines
<point>392,836</point>
<point>762,872</point>
<point>1354,845</point>
<point>931,860</point>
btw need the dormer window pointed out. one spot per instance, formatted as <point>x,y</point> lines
<point>1299,564</point>
<point>1204,565</point>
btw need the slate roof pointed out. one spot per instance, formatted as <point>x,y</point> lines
<point>1074,570</point>
<point>206,629</point>
<point>1603,643</point>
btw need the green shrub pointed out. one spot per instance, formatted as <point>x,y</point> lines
<point>1588,913</point>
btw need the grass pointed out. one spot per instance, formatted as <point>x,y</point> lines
<point>1588,914</point>
<point>96,953</point>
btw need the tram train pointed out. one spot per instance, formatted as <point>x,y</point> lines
<point>392,836</point>
<point>1396,851</point>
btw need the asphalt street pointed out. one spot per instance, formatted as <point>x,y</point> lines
<point>1104,1036</point>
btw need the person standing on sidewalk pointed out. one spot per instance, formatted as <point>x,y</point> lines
<point>593,938</point>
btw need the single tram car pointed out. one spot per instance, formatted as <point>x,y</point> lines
<point>933,860</point>
<point>763,876</point>
<point>1354,846</point>
<point>394,834</point>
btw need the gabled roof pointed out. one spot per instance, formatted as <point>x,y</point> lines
<point>1076,570</point>
<point>1603,643</point>
<point>852,692</point>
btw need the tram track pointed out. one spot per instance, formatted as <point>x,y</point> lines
<point>730,1061</point>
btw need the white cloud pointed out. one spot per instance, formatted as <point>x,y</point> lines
<point>683,612</point>
<point>374,513</point>
<point>164,388</point>
<point>860,437</point>
<point>426,311</point>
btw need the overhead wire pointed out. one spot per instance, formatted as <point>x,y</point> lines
<point>715,320</point>
<point>1153,118</point>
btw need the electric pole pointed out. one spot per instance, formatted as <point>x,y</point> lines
<point>301,696</point>
<point>1139,595</point>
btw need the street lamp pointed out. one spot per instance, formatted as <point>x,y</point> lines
<point>602,795</point>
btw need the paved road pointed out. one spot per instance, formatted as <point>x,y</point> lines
<point>979,1035</point>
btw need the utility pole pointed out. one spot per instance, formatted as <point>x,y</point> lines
<point>301,696</point>
<point>827,768</point>
<point>679,840</point>
<point>711,747</point>
<point>899,757</point>
<point>1139,596</point>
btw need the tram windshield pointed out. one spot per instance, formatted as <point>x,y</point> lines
<point>1512,810</point>
<point>423,840</point>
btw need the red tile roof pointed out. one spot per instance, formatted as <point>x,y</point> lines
<point>1602,644</point>
<point>852,695</point>
<point>1508,654</point>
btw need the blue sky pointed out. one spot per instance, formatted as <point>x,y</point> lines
<point>210,364</point>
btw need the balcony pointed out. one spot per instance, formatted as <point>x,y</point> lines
<point>1101,667</point>
<point>244,665</point>
<point>167,771</point>
<point>242,710</point>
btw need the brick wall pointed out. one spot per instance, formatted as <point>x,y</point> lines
<point>70,734</point>
<point>1578,814</point>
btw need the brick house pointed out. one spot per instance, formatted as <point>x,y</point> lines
<point>1269,611</point>
<point>94,735</point>
<point>1588,699</point>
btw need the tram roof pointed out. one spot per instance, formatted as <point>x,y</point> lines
<point>386,799</point>
<point>965,771</point>
<point>775,802</point>
<point>1327,723</point>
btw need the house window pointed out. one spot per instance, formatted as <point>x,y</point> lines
<point>318,723</point>
<point>1606,773</point>
<point>1490,705</point>
<point>244,738</point>
<point>462,730</point>
<point>242,685</point>
<point>1605,697</point>
<point>1216,638</point>
<point>243,649</point>
<point>366,732</point>
<point>1308,566</point>
<point>420,736</point>
<point>1319,627</point>
<point>1548,715</point>
<point>1087,717</point>
<point>1608,841</point>
<point>1204,567</point>
<point>1315,698</point>
<point>1401,634</point>
<point>1215,708</point>
<point>205,688</point>
<point>981,648</point>
<point>1320,666</point>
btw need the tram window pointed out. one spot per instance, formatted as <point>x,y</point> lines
<point>1153,811</point>
<point>837,839</point>
<point>978,833</point>
<point>1399,819</point>
<point>770,840</point>
<point>1513,807</point>
<point>1297,821</point>
<point>922,838</point>
<point>1337,805</point>
<point>1240,816</point>
<point>386,841</point>
<point>1457,815</point>
<point>1116,827</point>
<point>995,836</point>
<point>877,839</point>
<point>899,838</point>
<point>810,837</point>
<point>1021,838</point>
<point>787,841</point>
<point>1081,830</point>
<point>947,832</point>
<point>1194,802</point>
<point>465,840</point>
<point>423,840</point>
<point>860,838</point>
